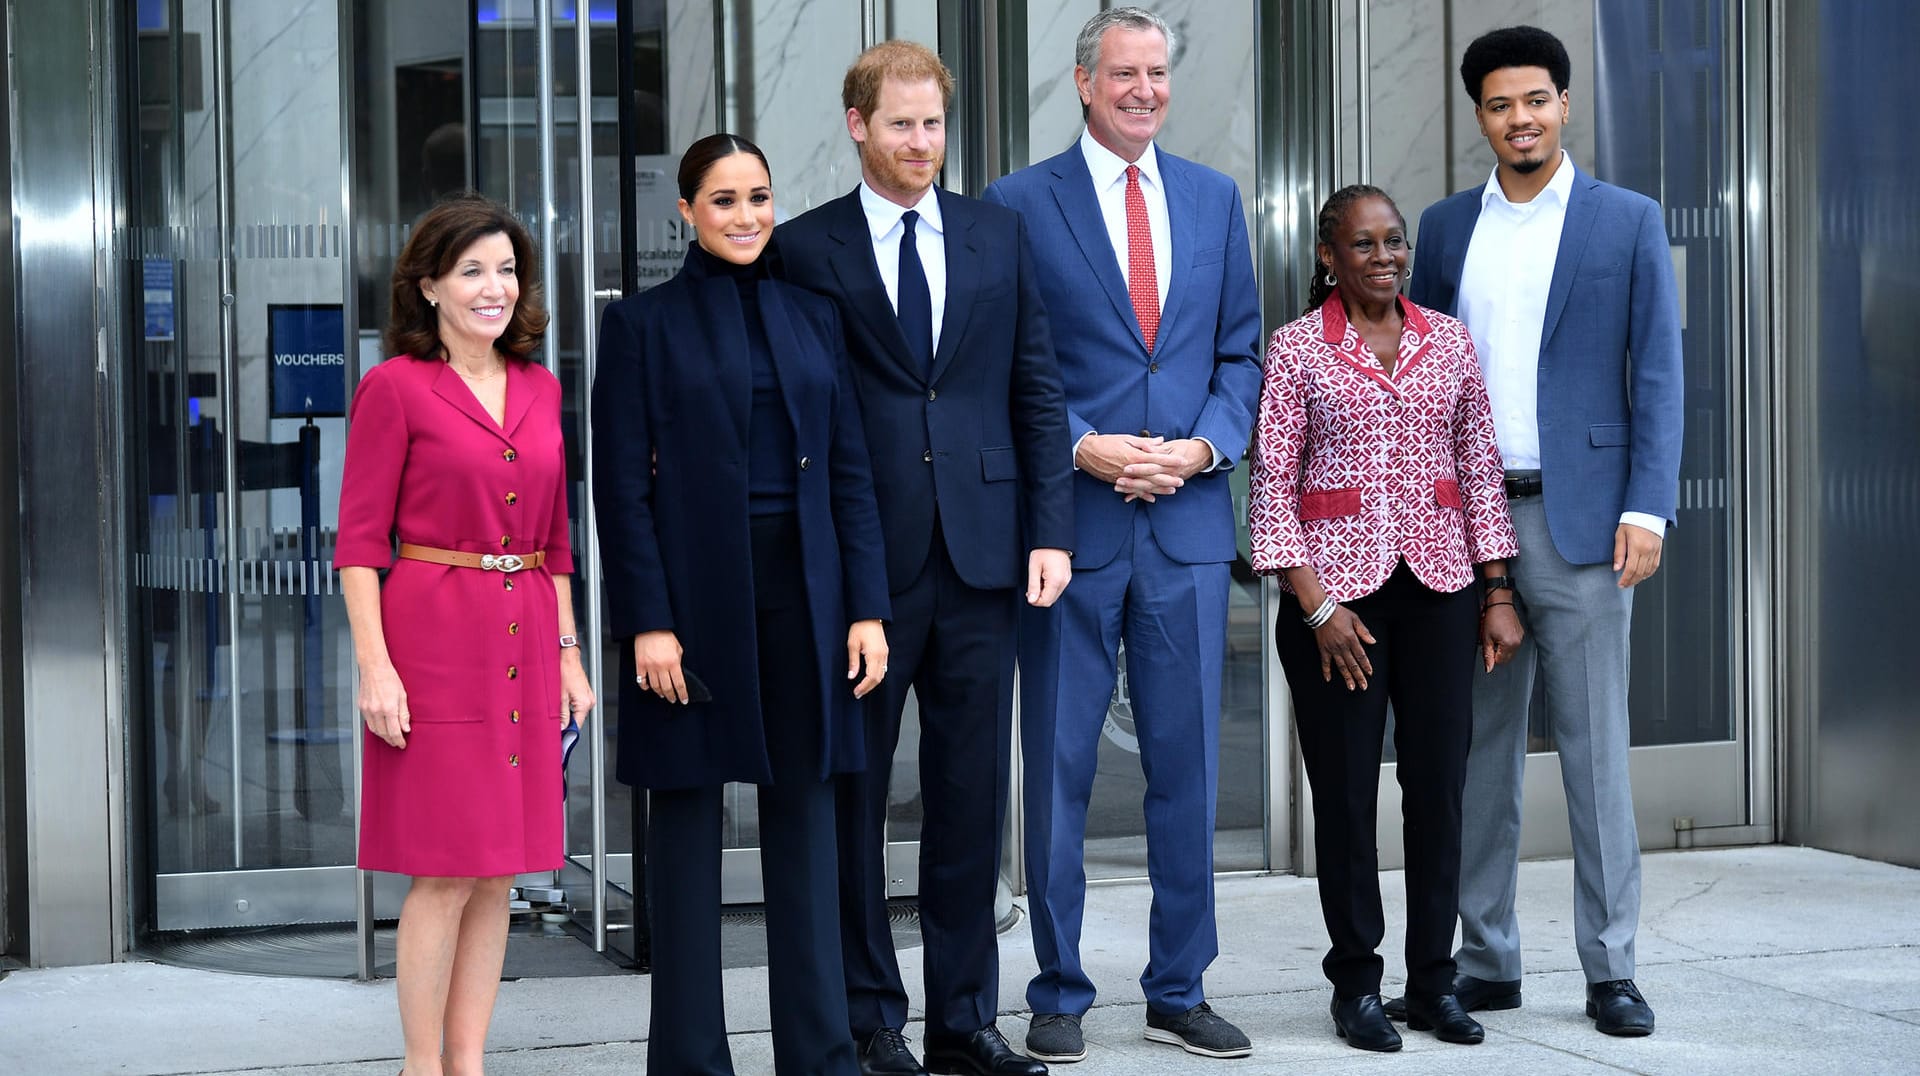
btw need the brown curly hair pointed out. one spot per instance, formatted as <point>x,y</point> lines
<point>439,237</point>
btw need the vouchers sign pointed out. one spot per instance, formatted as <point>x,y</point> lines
<point>306,350</point>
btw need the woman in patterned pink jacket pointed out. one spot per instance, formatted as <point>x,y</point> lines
<point>1376,492</point>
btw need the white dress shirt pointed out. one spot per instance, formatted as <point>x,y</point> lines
<point>1109,174</point>
<point>1503,301</point>
<point>929,238</point>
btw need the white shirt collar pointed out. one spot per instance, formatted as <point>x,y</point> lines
<point>883,216</point>
<point>1559,188</point>
<point>1106,167</point>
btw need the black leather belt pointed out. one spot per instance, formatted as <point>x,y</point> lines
<point>1523,484</point>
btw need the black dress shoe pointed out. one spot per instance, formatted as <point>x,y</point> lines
<point>1445,1018</point>
<point>885,1053</point>
<point>1473,994</point>
<point>983,1053</point>
<point>1618,1009</point>
<point>1363,1023</point>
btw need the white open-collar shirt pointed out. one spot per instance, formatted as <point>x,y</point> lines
<point>1503,301</point>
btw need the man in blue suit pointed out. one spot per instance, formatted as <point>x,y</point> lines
<point>967,427</point>
<point>1566,285</point>
<point>1144,263</point>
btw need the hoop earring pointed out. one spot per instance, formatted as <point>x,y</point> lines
<point>1409,272</point>
<point>1330,279</point>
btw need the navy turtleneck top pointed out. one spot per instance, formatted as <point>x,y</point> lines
<point>772,480</point>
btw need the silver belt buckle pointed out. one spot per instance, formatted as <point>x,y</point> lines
<point>504,562</point>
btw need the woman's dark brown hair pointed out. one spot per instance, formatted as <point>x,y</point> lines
<point>709,151</point>
<point>439,237</point>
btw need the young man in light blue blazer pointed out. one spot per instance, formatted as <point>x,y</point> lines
<point>1566,285</point>
<point>1147,275</point>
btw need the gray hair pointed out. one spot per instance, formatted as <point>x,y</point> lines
<point>1086,48</point>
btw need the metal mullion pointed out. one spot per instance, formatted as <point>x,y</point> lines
<point>363,907</point>
<point>543,126</point>
<point>589,330</point>
<point>222,97</point>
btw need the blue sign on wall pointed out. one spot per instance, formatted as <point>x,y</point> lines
<point>307,350</point>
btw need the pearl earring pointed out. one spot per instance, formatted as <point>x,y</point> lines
<point>435,303</point>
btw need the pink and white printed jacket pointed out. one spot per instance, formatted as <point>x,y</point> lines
<point>1354,470</point>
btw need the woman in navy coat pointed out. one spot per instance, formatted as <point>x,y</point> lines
<point>747,584</point>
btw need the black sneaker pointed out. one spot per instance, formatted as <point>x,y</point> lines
<point>1199,1030</point>
<point>1055,1037</point>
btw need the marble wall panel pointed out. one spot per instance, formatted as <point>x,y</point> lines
<point>1053,105</point>
<point>793,56</point>
<point>690,111</point>
<point>1215,96</point>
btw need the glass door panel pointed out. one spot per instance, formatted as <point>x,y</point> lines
<point>1211,121</point>
<point>1654,118</point>
<point>235,442</point>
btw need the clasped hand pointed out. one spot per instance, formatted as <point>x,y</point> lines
<point>1142,468</point>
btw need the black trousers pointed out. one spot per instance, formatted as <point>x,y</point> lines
<point>954,646</point>
<point>689,1028</point>
<point>1423,662</point>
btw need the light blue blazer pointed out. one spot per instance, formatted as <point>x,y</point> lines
<point>1203,378</point>
<point>1611,382</point>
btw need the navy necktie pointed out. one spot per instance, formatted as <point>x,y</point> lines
<point>915,303</point>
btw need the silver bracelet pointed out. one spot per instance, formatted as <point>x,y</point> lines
<point>1321,615</point>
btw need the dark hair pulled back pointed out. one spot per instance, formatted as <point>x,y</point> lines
<point>1332,212</point>
<point>709,151</point>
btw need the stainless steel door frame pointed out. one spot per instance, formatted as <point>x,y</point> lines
<point>65,200</point>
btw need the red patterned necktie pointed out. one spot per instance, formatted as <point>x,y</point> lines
<point>1142,286</point>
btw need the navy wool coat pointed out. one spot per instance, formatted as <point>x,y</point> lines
<point>671,404</point>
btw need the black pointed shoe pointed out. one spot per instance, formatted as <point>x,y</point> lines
<point>885,1053</point>
<point>1618,1009</point>
<point>983,1053</point>
<point>1473,994</point>
<point>1444,1017</point>
<point>1364,1024</point>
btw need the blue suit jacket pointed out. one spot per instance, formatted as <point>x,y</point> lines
<point>1203,378</point>
<point>987,431</point>
<point>1611,383</point>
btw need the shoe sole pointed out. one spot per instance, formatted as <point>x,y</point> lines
<point>1172,1038</point>
<point>1459,1040</point>
<point>1056,1059</point>
<point>1629,1032</point>
<point>1342,1032</point>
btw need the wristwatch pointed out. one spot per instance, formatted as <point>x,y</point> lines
<point>569,640</point>
<point>1496,582</point>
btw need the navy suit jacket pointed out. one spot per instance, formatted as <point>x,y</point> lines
<point>983,440</point>
<point>1201,380</point>
<point>1611,382</point>
<point>671,404</point>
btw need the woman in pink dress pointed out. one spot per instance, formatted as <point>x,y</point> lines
<point>469,667</point>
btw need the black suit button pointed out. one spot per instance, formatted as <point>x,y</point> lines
<point>1153,367</point>
<point>932,395</point>
<point>805,462</point>
<point>927,456</point>
<point>1146,433</point>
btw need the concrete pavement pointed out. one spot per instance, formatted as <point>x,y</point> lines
<point>1756,960</point>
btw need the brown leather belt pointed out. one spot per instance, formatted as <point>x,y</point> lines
<point>486,562</point>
